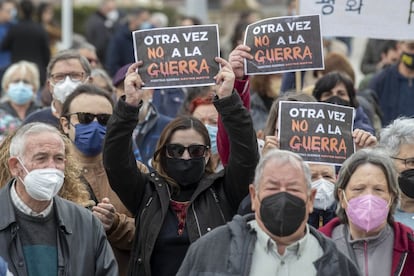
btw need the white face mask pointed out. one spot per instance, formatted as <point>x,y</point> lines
<point>63,89</point>
<point>113,15</point>
<point>43,184</point>
<point>325,194</point>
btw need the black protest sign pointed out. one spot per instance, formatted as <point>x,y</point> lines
<point>177,56</point>
<point>319,132</point>
<point>284,44</point>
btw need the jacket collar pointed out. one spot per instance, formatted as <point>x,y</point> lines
<point>403,238</point>
<point>6,206</point>
<point>62,208</point>
<point>205,183</point>
<point>8,215</point>
<point>403,235</point>
<point>146,126</point>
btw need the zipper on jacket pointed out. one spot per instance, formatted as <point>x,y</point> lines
<point>13,247</point>
<point>196,218</point>
<point>366,258</point>
<point>218,204</point>
<point>138,260</point>
<point>148,202</point>
<point>14,230</point>
<point>64,267</point>
<point>402,263</point>
<point>145,208</point>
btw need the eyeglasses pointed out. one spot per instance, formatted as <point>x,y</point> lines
<point>177,150</point>
<point>408,162</point>
<point>93,60</point>
<point>87,118</point>
<point>74,76</point>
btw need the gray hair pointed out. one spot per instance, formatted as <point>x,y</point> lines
<point>377,157</point>
<point>98,72</point>
<point>159,19</point>
<point>18,142</point>
<point>285,157</point>
<point>83,45</point>
<point>397,133</point>
<point>66,55</point>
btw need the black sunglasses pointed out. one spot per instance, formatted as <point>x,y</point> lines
<point>177,150</point>
<point>87,118</point>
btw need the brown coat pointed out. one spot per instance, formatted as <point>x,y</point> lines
<point>121,235</point>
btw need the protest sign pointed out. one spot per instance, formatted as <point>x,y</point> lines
<point>319,132</point>
<point>383,19</point>
<point>177,56</point>
<point>283,44</point>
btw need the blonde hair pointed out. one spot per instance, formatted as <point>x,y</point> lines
<point>24,67</point>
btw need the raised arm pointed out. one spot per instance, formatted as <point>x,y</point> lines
<point>238,124</point>
<point>118,157</point>
<point>242,86</point>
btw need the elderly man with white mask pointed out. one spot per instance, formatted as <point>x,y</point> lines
<point>41,233</point>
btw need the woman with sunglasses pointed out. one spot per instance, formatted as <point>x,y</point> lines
<point>183,199</point>
<point>85,113</point>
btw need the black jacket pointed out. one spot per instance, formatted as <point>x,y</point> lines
<point>28,40</point>
<point>216,197</point>
<point>228,250</point>
<point>81,240</point>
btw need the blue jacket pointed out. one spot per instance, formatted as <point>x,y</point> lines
<point>120,50</point>
<point>3,267</point>
<point>258,111</point>
<point>146,134</point>
<point>43,115</point>
<point>5,55</point>
<point>395,93</point>
<point>168,101</point>
<point>362,121</point>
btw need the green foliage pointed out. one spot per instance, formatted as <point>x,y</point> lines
<point>80,15</point>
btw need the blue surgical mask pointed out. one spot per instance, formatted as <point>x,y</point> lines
<point>212,132</point>
<point>20,93</point>
<point>13,15</point>
<point>146,25</point>
<point>89,138</point>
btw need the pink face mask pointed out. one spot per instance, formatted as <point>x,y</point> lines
<point>367,212</point>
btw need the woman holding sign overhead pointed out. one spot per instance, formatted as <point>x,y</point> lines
<point>183,199</point>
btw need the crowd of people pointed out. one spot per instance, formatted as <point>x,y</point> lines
<point>102,177</point>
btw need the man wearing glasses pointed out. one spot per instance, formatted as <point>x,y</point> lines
<point>398,138</point>
<point>85,114</point>
<point>65,71</point>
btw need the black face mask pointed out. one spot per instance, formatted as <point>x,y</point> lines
<point>406,182</point>
<point>337,100</point>
<point>408,60</point>
<point>282,213</point>
<point>186,172</point>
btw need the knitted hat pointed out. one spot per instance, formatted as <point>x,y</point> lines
<point>120,74</point>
